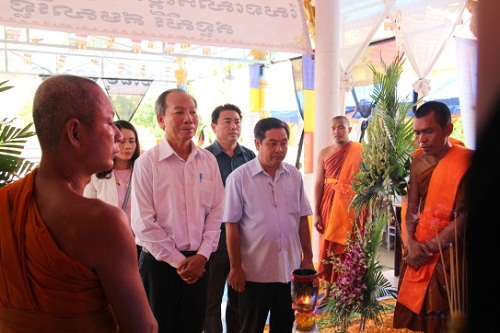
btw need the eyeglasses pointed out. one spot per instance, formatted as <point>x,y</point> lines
<point>274,195</point>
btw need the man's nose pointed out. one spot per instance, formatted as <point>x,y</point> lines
<point>188,117</point>
<point>118,135</point>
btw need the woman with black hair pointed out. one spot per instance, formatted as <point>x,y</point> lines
<point>113,186</point>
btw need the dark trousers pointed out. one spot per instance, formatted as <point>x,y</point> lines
<point>258,300</point>
<point>177,306</point>
<point>219,270</point>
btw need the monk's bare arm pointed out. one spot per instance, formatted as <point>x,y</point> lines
<point>417,252</point>
<point>109,249</point>
<point>319,184</point>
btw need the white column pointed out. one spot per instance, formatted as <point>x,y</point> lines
<point>327,71</point>
<point>326,86</point>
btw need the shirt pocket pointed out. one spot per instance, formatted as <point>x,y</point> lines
<point>207,189</point>
<point>292,202</point>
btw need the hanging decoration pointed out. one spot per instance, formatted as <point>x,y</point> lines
<point>81,41</point>
<point>111,42</point>
<point>61,60</point>
<point>121,68</point>
<point>346,82</point>
<point>181,74</point>
<point>169,48</point>
<point>136,46</point>
<point>126,95</point>
<point>422,87</point>
<point>12,33</point>
<point>27,57</point>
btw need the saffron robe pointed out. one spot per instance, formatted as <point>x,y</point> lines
<point>422,291</point>
<point>42,289</point>
<point>338,219</point>
<point>404,201</point>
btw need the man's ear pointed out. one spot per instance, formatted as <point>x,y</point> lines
<point>448,129</point>
<point>73,132</point>
<point>159,119</point>
<point>213,126</point>
<point>257,144</point>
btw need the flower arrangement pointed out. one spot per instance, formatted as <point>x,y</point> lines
<point>360,280</point>
<point>382,175</point>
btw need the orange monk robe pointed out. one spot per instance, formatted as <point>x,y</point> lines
<point>435,216</point>
<point>41,288</point>
<point>404,201</point>
<point>340,168</point>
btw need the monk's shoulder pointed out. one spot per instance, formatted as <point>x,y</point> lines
<point>100,214</point>
<point>422,162</point>
<point>325,152</point>
<point>91,219</point>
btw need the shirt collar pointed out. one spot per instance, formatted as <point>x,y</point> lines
<point>217,149</point>
<point>256,167</point>
<point>166,150</point>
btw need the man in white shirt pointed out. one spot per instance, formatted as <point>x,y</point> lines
<point>177,204</point>
<point>267,230</point>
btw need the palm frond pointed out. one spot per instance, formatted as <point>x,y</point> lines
<point>12,142</point>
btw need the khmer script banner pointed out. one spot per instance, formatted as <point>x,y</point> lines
<point>273,25</point>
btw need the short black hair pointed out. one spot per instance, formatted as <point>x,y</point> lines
<point>442,113</point>
<point>266,124</point>
<point>216,112</point>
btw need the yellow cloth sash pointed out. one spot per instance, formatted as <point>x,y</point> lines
<point>331,180</point>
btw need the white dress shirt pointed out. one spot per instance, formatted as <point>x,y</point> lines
<point>268,212</point>
<point>102,188</point>
<point>177,205</point>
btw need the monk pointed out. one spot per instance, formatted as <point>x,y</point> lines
<point>68,263</point>
<point>333,218</point>
<point>404,200</point>
<point>435,223</point>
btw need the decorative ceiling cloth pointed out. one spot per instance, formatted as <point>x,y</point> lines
<point>277,25</point>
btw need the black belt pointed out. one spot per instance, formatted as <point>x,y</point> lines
<point>184,253</point>
<point>188,253</point>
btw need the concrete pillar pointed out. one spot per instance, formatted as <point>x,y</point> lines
<point>326,87</point>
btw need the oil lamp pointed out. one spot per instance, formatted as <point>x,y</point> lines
<point>304,287</point>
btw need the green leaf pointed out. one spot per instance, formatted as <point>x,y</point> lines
<point>12,142</point>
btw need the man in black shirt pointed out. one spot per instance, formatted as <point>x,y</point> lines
<point>226,123</point>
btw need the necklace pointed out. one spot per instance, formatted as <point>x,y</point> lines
<point>121,175</point>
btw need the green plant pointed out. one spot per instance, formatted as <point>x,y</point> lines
<point>382,175</point>
<point>12,142</point>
